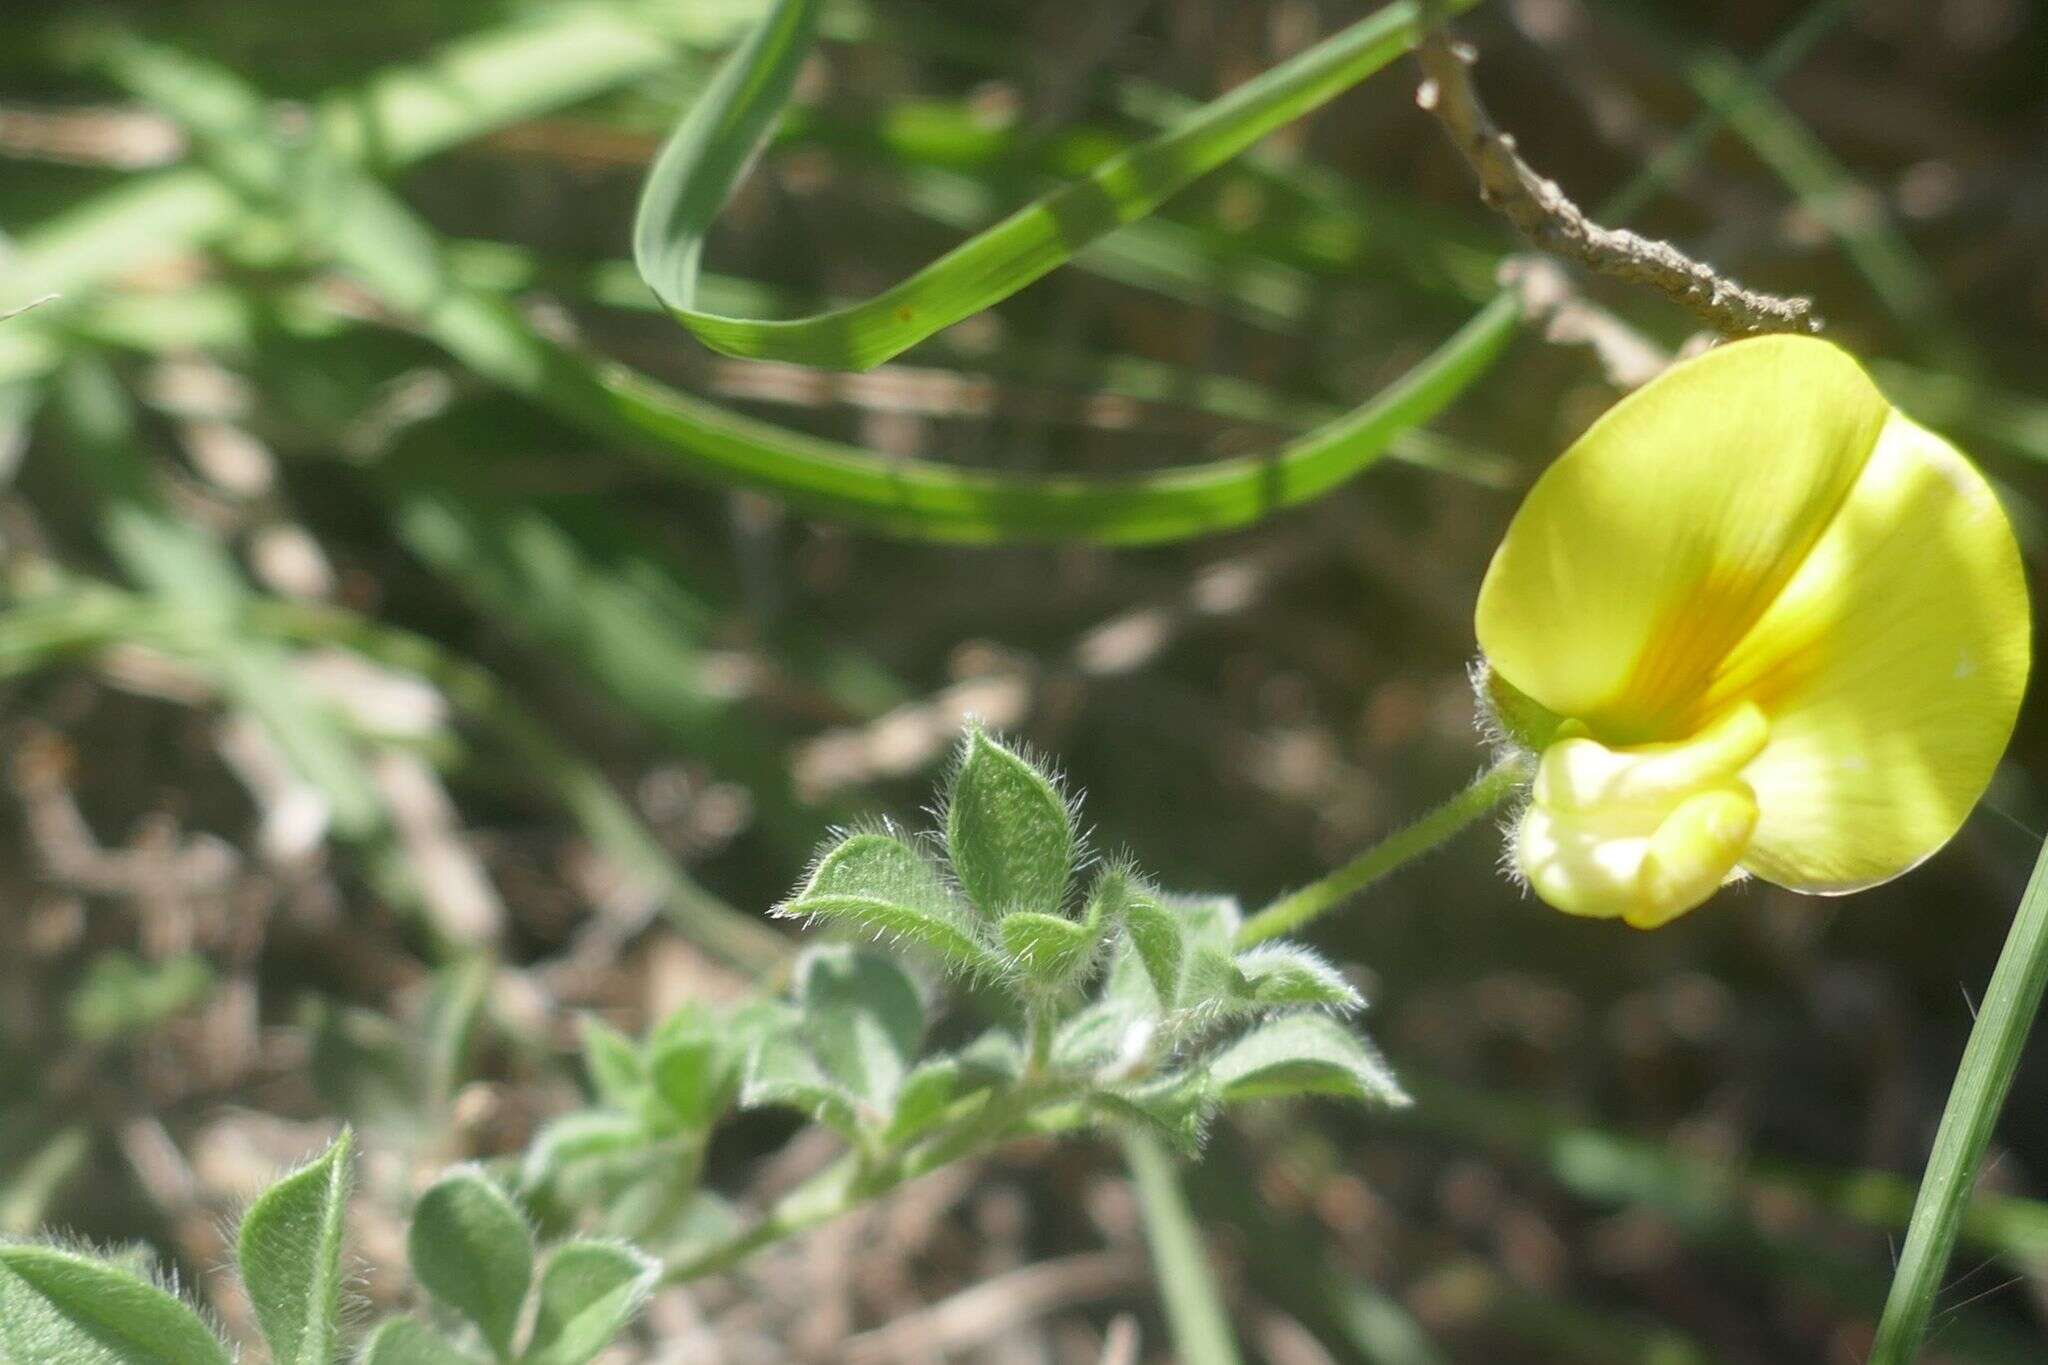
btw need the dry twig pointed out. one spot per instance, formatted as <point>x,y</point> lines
<point>1547,217</point>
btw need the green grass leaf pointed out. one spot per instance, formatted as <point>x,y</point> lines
<point>1195,1311</point>
<point>1982,1081</point>
<point>730,122</point>
<point>472,1250</point>
<point>289,1253</point>
<point>67,1309</point>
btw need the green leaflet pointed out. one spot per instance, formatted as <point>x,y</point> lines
<point>57,1306</point>
<point>473,1251</point>
<point>289,1249</point>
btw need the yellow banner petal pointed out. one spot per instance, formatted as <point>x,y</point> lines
<point>1654,545</point>
<point>1890,667</point>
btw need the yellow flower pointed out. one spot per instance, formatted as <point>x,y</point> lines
<point>1771,626</point>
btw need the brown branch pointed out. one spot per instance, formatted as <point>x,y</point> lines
<point>1542,212</point>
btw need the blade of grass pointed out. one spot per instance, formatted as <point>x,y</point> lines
<point>175,558</point>
<point>468,88</point>
<point>378,239</point>
<point>57,620</point>
<point>1187,1285</point>
<point>731,121</point>
<point>1989,1061</point>
<point>1715,1205</point>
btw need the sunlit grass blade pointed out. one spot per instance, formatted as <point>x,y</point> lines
<point>1989,1060</point>
<point>178,559</point>
<point>74,619</point>
<point>478,83</point>
<point>1714,1204</point>
<point>1195,1312</point>
<point>385,246</point>
<point>731,121</point>
<point>380,240</point>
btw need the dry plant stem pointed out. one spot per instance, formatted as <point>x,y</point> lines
<point>1547,217</point>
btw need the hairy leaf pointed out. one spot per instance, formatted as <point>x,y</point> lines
<point>289,1252</point>
<point>1303,1054</point>
<point>407,1341</point>
<point>1155,936</point>
<point>1048,951</point>
<point>862,1020</point>
<point>1008,830</point>
<point>880,883</point>
<point>473,1251</point>
<point>588,1292</point>
<point>68,1309</point>
<point>939,935</point>
<point>1284,974</point>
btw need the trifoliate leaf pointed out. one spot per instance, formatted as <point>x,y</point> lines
<point>1008,830</point>
<point>1303,1054</point>
<point>472,1250</point>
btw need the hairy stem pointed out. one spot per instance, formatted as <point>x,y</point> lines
<point>858,1178</point>
<point>1392,853</point>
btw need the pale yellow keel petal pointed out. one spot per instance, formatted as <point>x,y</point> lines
<point>1891,669</point>
<point>1692,853</point>
<point>1642,834</point>
<point>1653,545</point>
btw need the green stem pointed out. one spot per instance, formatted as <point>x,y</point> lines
<point>1187,1284</point>
<point>858,1178</point>
<point>1392,853</point>
<point>1981,1083</point>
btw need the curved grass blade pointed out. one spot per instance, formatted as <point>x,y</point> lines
<point>727,127</point>
<point>1990,1060</point>
<point>1195,1310</point>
